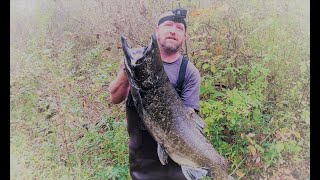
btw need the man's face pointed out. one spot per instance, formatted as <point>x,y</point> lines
<point>170,36</point>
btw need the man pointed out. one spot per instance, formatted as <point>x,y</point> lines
<point>143,158</point>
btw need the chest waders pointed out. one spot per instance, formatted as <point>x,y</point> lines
<point>143,158</point>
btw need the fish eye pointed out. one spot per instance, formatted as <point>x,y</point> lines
<point>139,61</point>
<point>149,59</point>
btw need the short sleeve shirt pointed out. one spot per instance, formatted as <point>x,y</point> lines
<point>191,86</point>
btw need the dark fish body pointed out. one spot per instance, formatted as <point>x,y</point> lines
<point>174,127</point>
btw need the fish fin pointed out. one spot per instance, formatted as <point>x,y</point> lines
<point>193,173</point>
<point>137,100</point>
<point>198,120</point>
<point>162,154</point>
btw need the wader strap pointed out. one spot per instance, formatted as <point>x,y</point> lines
<point>182,73</point>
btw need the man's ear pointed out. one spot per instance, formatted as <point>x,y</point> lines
<point>185,36</point>
<point>156,29</point>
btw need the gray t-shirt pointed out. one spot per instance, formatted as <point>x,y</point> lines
<point>191,86</point>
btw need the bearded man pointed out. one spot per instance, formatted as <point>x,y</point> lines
<point>184,77</point>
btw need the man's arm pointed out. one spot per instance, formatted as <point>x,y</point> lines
<point>119,88</point>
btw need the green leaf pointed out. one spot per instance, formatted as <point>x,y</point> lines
<point>259,148</point>
<point>205,66</point>
<point>279,146</point>
<point>213,69</point>
<point>202,89</point>
<point>252,150</point>
<point>297,134</point>
<point>305,115</point>
<point>256,114</point>
<point>303,67</point>
<point>215,95</point>
<point>198,65</point>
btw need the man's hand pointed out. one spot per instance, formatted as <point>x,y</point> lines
<point>122,65</point>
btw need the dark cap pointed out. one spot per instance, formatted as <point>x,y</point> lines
<point>176,15</point>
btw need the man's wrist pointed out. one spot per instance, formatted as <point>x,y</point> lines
<point>122,66</point>
<point>123,76</point>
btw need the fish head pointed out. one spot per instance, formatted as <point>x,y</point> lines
<point>143,69</point>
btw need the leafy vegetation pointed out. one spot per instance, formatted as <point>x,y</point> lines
<point>253,57</point>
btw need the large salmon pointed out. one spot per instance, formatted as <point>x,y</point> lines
<point>177,130</point>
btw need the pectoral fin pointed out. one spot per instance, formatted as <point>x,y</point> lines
<point>197,119</point>
<point>162,154</point>
<point>137,99</point>
<point>193,173</point>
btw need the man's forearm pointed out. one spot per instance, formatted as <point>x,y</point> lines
<point>119,88</point>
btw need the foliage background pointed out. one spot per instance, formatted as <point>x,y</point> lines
<point>254,61</point>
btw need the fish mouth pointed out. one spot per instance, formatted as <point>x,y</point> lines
<point>133,61</point>
<point>127,53</point>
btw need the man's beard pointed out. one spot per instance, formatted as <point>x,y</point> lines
<point>171,49</point>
